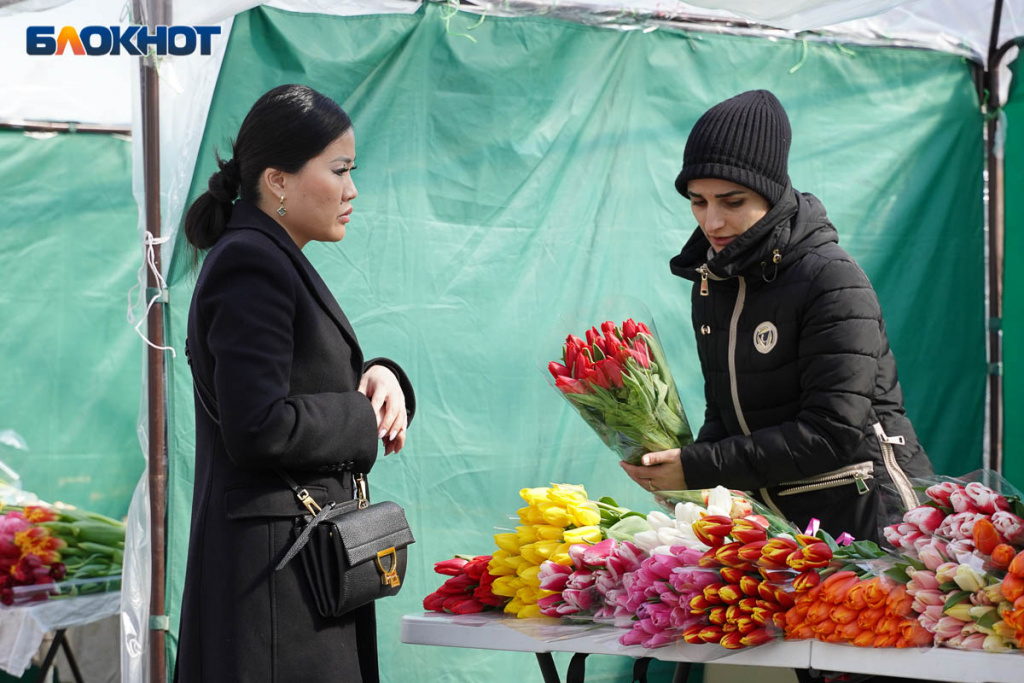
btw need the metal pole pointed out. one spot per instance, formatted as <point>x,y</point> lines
<point>144,13</point>
<point>996,233</point>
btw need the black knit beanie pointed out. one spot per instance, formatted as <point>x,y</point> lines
<point>744,140</point>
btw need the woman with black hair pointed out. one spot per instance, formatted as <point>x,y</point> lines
<point>290,391</point>
<point>803,404</point>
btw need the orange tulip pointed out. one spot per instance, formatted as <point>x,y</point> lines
<point>824,628</point>
<point>835,587</point>
<point>882,640</point>
<point>1013,586</point>
<point>797,614</point>
<point>1016,566</point>
<point>843,614</point>
<point>865,639</point>
<point>803,632</point>
<point>986,538</point>
<point>869,617</point>
<point>1002,556</point>
<point>779,620</point>
<point>855,599</point>
<point>875,593</point>
<point>915,634</point>
<point>834,637</point>
<point>814,593</point>
<point>850,630</point>
<point>818,612</point>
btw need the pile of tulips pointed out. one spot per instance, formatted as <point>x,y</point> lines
<point>467,591</point>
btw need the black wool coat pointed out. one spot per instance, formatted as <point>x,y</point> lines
<point>269,341</point>
<point>803,403</point>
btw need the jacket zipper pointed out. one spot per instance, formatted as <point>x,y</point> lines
<point>741,297</point>
<point>703,270</point>
<point>851,474</point>
<point>896,473</point>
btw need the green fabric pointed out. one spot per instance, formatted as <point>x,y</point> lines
<point>508,181</point>
<point>1013,285</point>
<point>70,365</point>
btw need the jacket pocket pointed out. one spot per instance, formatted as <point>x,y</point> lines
<point>855,474</point>
<point>899,478</point>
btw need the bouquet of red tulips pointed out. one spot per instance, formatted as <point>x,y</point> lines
<point>619,382</point>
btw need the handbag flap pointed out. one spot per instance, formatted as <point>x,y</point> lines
<point>378,527</point>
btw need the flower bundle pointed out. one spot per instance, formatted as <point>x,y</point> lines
<point>619,382</point>
<point>468,590</point>
<point>554,518</point>
<point>42,545</point>
<point>592,584</point>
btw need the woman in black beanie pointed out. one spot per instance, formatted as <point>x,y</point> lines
<point>803,405</point>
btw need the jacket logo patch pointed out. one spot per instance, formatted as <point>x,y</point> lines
<point>766,335</point>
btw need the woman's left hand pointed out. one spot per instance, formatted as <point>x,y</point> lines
<point>660,471</point>
<point>388,401</point>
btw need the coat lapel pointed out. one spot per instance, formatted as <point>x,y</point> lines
<point>245,215</point>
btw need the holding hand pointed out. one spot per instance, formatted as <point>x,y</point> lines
<point>388,401</point>
<point>660,471</point>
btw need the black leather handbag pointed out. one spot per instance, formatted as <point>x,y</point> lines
<point>352,552</point>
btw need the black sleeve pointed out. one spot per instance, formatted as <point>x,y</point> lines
<point>403,381</point>
<point>248,302</point>
<point>840,343</point>
<point>713,428</point>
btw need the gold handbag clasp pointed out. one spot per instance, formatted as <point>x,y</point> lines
<point>362,491</point>
<point>308,501</point>
<point>389,576</point>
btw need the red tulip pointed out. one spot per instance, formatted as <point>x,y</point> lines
<point>728,555</point>
<point>749,585</point>
<point>806,580</point>
<point>776,550</point>
<point>718,615</point>
<point>730,594</point>
<point>711,634</point>
<point>756,637</point>
<point>457,584</point>
<point>811,556</point>
<point>452,567</point>
<point>467,606</point>
<point>612,370</point>
<point>641,353</point>
<point>558,370</point>
<point>435,602</point>
<point>711,593</point>
<point>712,529</point>
<point>751,552</point>
<point>748,531</point>
<point>731,574</point>
<point>629,330</point>
<point>692,634</point>
<point>643,328</point>
<point>732,641</point>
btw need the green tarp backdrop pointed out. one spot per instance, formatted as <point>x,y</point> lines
<point>1013,285</point>
<point>71,366</point>
<point>529,174</point>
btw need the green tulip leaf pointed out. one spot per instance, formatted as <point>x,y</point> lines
<point>956,599</point>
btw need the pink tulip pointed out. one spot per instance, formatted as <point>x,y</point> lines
<point>576,552</point>
<point>635,636</point>
<point>597,555</point>
<point>921,579</point>
<point>975,641</point>
<point>926,518</point>
<point>940,493</point>
<point>579,580</point>
<point>959,526</point>
<point>581,600</point>
<point>932,554</point>
<point>948,627</point>
<point>945,572</point>
<point>553,576</point>
<point>960,549</point>
<point>1009,526</point>
<point>928,598</point>
<point>962,502</point>
<point>985,499</point>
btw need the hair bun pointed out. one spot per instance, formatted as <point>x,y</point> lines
<point>224,183</point>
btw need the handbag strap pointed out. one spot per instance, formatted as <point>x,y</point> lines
<point>206,398</point>
<point>303,538</point>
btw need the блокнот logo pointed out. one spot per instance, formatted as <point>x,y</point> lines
<point>116,40</point>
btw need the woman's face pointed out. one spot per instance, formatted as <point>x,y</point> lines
<point>318,198</point>
<point>724,210</point>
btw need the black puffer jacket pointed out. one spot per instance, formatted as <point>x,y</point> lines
<point>803,403</point>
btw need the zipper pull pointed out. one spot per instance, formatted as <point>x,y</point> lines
<point>882,437</point>
<point>703,279</point>
<point>862,488</point>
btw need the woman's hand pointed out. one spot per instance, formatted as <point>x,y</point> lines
<point>661,471</point>
<point>388,401</point>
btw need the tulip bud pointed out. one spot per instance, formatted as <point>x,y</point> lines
<point>778,549</point>
<point>747,531</point>
<point>730,594</point>
<point>1012,587</point>
<point>731,574</point>
<point>986,538</point>
<point>717,615</point>
<point>806,580</point>
<point>968,579</point>
<point>711,634</point>
<point>732,641</point>
<point>692,635</point>
<point>1016,566</point>
<point>960,611</point>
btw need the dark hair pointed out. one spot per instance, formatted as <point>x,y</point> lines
<point>285,128</point>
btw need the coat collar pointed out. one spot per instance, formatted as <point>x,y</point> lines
<point>246,216</point>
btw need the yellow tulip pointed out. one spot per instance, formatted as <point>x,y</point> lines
<point>991,644</point>
<point>528,594</point>
<point>968,579</point>
<point>530,515</point>
<point>583,534</point>
<point>535,495</point>
<point>517,561</point>
<point>503,586</point>
<point>1001,628</point>
<point>526,534</point>
<point>507,542</point>
<point>529,575</point>
<point>500,569</point>
<point>514,606</point>
<point>529,612</point>
<point>556,515</point>
<point>584,514</point>
<point>561,558</point>
<point>546,532</point>
<point>961,611</point>
<point>563,494</point>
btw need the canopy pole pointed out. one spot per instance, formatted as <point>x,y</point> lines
<point>153,13</point>
<point>996,233</point>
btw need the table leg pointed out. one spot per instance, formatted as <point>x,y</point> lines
<point>682,672</point>
<point>59,641</point>
<point>547,667</point>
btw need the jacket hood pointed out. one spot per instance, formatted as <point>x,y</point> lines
<point>794,226</point>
